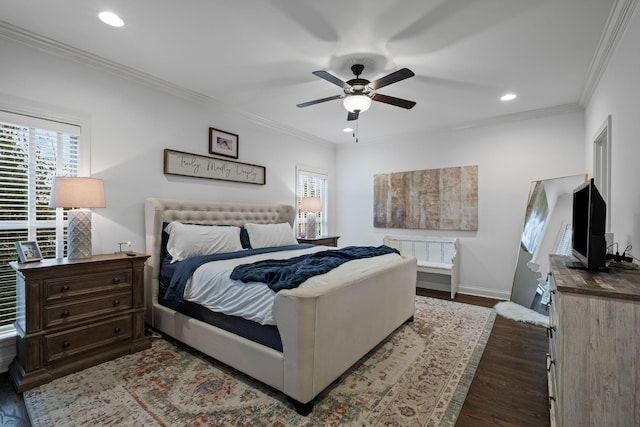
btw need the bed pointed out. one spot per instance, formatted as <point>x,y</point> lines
<point>322,329</point>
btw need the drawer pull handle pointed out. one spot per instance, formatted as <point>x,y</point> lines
<point>65,288</point>
<point>116,279</point>
<point>550,331</point>
<point>66,344</point>
<point>551,399</point>
<point>550,362</point>
<point>65,313</point>
<point>116,330</point>
<point>116,302</point>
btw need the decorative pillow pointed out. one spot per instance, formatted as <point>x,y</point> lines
<point>189,240</point>
<point>267,235</point>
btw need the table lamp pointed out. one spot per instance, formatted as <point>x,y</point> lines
<point>311,205</point>
<point>78,193</point>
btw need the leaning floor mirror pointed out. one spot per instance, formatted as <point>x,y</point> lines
<point>547,230</point>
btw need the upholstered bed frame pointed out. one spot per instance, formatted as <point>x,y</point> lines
<point>323,331</point>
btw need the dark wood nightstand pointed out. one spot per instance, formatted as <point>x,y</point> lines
<point>73,314</point>
<point>321,240</point>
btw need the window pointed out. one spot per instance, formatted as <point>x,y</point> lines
<point>311,184</point>
<point>32,152</point>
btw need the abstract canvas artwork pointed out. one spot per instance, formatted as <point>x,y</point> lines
<point>431,199</point>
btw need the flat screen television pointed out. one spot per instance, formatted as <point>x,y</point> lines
<point>589,222</point>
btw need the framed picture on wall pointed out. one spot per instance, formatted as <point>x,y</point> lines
<point>223,143</point>
<point>28,251</point>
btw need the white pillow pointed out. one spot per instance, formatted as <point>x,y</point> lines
<point>189,240</point>
<point>267,235</point>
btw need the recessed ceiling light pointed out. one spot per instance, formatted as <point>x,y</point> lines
<point>347,130</point>
<point>111,18</point>
<point>508,97</point>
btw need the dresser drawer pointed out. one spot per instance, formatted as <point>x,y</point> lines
<point>77,310</point>
<point>88,284</point>
<point>83,339</point>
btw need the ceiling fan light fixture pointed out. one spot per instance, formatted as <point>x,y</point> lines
<point>354,103</point>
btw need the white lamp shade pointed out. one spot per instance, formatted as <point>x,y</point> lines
<point>311,204</point>
<point>355,103</point>
<point>77,192</point>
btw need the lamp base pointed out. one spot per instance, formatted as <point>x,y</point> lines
<point>311,225</point>
<point>79,234</point>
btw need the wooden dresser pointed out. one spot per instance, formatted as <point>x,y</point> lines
<point>73,314</point>
<point>594,346</point>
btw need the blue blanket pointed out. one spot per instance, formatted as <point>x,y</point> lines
<point>184,269</point>
<point>289,273</point>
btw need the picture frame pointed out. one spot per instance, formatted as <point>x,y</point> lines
<point>222,143</point>
<point>197,166</point>
<point>28,251</point>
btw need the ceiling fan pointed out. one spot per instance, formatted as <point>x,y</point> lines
<point>358,93</point>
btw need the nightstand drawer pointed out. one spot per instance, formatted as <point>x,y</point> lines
<point>80,340</point>
<point>320,240</point>
<point>88,284</point>
<point>86,308</point>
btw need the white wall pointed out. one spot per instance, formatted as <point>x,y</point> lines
<point>509,156</point>
<point>130,125</point>
<point>618,94</point>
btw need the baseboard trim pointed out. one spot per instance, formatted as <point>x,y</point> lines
<point>486,293</point>
<point>466,290</point>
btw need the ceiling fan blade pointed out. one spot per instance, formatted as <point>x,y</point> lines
<point>331,78</point>
<point>398,102</point>
<point>318,101</point>
<point>396,76</point>
<point>353,116</point>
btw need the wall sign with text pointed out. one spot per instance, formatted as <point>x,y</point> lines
<point>197,166</point>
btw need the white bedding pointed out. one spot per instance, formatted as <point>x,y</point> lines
<point>211,287</point>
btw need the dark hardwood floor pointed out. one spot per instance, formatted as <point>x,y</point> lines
<point>509,388</point>
<point>510,385</point>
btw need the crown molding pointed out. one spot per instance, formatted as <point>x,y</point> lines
<point>616,23</point>
<point>621,13</point>
<point>65,51</point>
<point>515,117</point>
<point>486,122</point>
<point>270,124</point>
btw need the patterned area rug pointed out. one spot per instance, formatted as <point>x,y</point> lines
<point>419,376</point>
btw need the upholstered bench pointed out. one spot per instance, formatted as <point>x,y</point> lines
<point>435,255</point>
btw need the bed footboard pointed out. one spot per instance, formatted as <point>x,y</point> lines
<point>323,334</point>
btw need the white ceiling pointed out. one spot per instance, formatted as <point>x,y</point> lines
<point>256,56</point>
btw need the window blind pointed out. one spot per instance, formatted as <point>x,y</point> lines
<point>32,152</point>
<point>312,184</point>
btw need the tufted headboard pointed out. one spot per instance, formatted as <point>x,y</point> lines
<point>157,211</point>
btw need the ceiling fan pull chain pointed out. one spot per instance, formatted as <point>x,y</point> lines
<point>356,134</point>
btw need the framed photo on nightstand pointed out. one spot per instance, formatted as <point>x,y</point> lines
<point>28,251</point>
